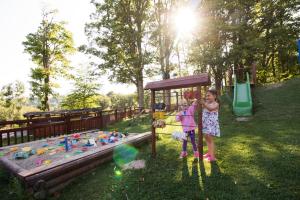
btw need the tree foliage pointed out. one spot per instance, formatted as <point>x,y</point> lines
<point>48,48</point>
<point>118,34</point>
<point>12,100</point>
<point>121,101</point>
<point>85,92</point>
<point>239,33</point>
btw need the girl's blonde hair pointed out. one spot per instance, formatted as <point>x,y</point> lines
<point>183,101</point>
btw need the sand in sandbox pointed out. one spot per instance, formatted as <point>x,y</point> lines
<point>56,149</point>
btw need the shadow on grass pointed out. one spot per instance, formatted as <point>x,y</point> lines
<point>191,181</point>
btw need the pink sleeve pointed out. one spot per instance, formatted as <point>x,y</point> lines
<point>193,107</point>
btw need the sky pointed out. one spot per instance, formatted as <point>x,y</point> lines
<point>21,17</point>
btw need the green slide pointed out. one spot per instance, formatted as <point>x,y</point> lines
<point>242,100</point>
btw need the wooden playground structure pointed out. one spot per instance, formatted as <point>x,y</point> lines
<point>198,81</point>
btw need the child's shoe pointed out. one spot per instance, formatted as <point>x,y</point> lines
<point>183,154</point>
<point>196,154</point>
<point>206,155</point>
<point>210,159</point>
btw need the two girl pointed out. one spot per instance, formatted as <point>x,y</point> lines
<point>210,124</point>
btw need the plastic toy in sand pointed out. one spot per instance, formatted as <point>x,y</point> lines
<point>26,149</point>
<point>112,139</point>
<point>13,149</point>
<point>41,151</point>
<point>25,153</point>
<point>84,149</point>
<point>47,162</point>
<point>39,162</point>
<point>76,136</point>
<point>103,141</point>
<point>91,142</point>
<point>21,155</point>
<point>103,136</point>
<point>67,145</point>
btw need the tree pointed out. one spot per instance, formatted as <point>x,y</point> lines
<point>48,48</point>
<point>121,101</point>
<point>85,92</point>
<point>118,36</point>
<point>104,102</point>
<point>208,50</point>
<point>12,100</point>
<point>278,24</point>
<point>164,37</point>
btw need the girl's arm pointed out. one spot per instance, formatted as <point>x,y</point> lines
<point>211,107</point>
<point>193,107</point>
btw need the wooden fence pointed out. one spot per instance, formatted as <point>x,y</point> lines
<point>59,123</point>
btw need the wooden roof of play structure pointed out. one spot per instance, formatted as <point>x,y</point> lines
<point>181,82</point>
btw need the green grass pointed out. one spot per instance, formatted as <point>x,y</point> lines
<point>258,159</point>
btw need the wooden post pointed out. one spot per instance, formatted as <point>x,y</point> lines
<point>152,127</point>
<point>100,119</point>
<point>116,115</point>
<point>68,123</point>
<point>29,131</point>
<point>176,100</point>
<point>200,135</point>
<point>130,112</point>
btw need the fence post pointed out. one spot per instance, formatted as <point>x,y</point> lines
<point>176,100</point>
<point>68,123</point>
<point>100,119</point>
<point>130,112</point>
<point>116,115</point>
<point>125,113</point>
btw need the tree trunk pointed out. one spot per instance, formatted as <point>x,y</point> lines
<point>140,86</point>
<point>273,66</point>
<point>140,92</point>
<point>218,83</point>
<point>218,79</point>
<point>46,100</point>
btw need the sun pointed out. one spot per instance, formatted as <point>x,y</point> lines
<point>185,22</point>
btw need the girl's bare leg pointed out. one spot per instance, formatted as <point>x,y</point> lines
<point>210,145</point>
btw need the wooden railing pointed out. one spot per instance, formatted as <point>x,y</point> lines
<point>20,131</point>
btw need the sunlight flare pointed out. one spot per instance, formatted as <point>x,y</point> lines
<point>185,22</point>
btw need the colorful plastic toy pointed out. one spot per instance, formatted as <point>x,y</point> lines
<point>13,149</point>
<point>41,151</point>
<point>76,136</point>
<point>21,155</point>
<point>47,162</point>
<point>26,149</point>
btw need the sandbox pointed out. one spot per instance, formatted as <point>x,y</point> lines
<point>49,165</point>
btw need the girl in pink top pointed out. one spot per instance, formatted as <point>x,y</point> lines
<point>186,117</point>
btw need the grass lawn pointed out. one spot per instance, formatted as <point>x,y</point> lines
<point>258,159</point>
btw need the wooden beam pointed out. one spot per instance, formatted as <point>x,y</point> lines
<point>152,127</point>
<point>182,82</point>
<point>200,134</point>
